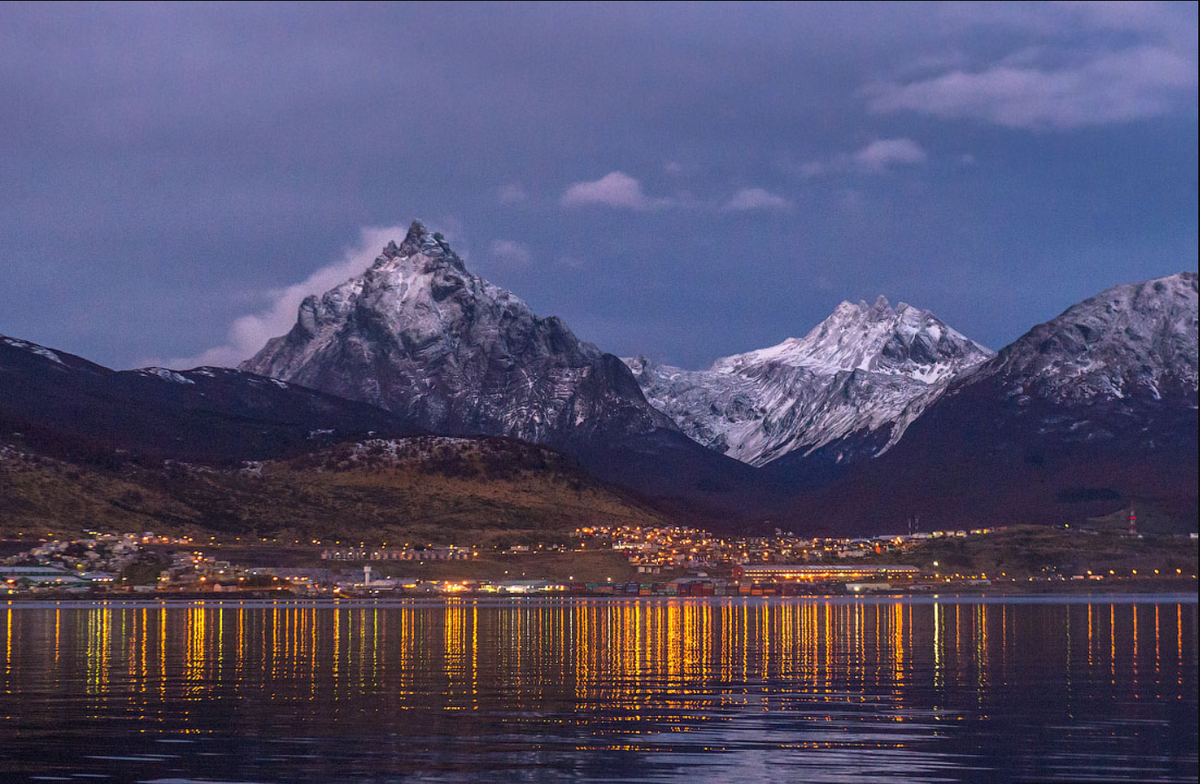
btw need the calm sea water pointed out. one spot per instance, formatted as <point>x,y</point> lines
<point>775,690</point>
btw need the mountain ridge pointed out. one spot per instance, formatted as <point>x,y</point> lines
<point>66,404</point>
<point>1088,413</point>
<point>876,414</point>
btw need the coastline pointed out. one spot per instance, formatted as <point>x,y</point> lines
<point>966,598</point>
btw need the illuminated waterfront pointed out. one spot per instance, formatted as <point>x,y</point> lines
<point>735,689</point>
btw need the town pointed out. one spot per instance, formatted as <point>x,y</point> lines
<point>641,561</point>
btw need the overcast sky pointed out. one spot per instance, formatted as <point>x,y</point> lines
<point>679,181</point>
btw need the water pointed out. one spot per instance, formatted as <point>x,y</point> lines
<point>747,690</point>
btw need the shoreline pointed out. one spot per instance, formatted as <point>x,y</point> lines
<point>1119,597</point>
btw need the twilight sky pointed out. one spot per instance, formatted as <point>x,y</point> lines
<point>679,181</point>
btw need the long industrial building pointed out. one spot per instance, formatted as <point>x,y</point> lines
<point>774,573</point>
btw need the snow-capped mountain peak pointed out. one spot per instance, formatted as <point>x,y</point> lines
<point>419,334</point>
<point>421,241</point>
<point>855,372</point>
<point>903,340</point>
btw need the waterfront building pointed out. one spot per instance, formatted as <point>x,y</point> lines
<point>42,577</point>
<point>824,573</point>
<point>450,553</point>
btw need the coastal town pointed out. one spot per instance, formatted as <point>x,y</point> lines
<point>643,561</point>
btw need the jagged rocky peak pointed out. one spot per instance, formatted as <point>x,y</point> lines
<point>419,334</point>
<point>1135,339</point>
<point>419,240</point>
<point>904,340</point>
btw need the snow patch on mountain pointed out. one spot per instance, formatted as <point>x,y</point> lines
<point>32,348</point>
<point>166,374</point>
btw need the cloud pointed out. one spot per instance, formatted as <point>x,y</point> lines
<point>513,193</point>
<point>619,190</point>
<point>615,189</point>
<point>750,199</point>
<point>1105,88</point>
<point>878,157</point>
<point>249,333</point>
<point>511,253</point>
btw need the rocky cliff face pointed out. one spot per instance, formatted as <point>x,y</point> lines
<point>421,336</point>
<point>1132,342</point>
<point>854,374</point>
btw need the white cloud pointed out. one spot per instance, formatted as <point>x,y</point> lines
<point>1102,88</point>
<point>249,333</point>
<point>882,154</point>
<point>878,157</point>
<point>615,189</point>
<point>513,193</point>
<point>511,253</point>
<point>749,199</point>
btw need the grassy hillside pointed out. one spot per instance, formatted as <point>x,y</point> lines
<point>1036,550</point>
<point>416,490</point>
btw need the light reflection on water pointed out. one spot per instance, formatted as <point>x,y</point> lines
<point>749,690</point>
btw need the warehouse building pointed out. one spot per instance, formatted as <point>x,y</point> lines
<point>825,573</point>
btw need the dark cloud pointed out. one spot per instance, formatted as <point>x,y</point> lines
<point>175,175</point>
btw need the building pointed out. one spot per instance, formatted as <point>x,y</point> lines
<point>824,573</point>
<point>450,553</point>
<point>42,577</point>
<point>867,587</point>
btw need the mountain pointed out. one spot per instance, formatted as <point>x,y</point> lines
<point>852,375</point>
<point>1130,346</point>
<point>64,405</point>
<point>1091,412</point>
<point>419,335</point>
